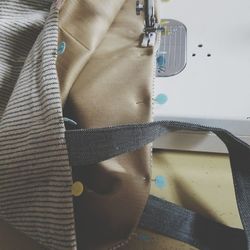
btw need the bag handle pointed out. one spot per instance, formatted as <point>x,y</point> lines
<point>185,225</point>
<point>90,146</point>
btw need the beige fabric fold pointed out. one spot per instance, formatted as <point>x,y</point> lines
<point>83,24</point>
<point>109,85</point>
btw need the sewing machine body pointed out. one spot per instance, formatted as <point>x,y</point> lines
<point>214,86</point>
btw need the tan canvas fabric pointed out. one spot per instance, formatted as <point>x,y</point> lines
<point>83,25</point>
<point>107,80</point>
<point>109,84</point>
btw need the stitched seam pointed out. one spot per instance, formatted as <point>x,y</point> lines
<point>93,51</point>
<point>75,39</point>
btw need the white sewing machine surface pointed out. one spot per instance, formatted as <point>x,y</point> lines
<point>214,86</point>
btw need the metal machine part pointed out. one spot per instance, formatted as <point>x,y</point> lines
<point>172,54</point>
<point>151,23</point>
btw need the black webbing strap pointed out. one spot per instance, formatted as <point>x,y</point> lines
<point>90,146</point>
<point>168,219</point>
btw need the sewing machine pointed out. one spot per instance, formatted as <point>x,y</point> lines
<point>203,71</point>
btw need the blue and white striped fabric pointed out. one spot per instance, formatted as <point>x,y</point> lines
<point>35,176</point>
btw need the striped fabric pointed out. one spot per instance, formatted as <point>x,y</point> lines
<point>35,177</point>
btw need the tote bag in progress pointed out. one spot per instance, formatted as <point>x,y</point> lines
<point>76,97</point>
